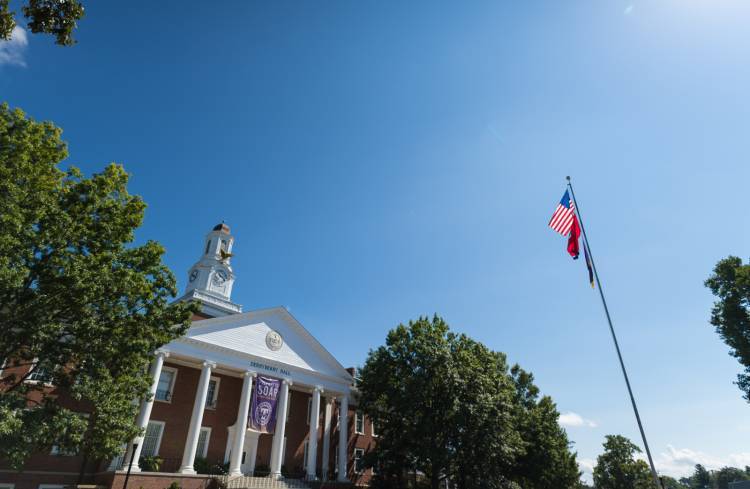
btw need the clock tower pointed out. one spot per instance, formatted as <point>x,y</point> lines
<point>210,280</point>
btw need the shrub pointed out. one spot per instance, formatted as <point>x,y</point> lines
<point>150,463</point>
<point>174,485</point>
<point>203,466</point>
<point>262,470</point>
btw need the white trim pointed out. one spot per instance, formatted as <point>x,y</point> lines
<point>211,403</point>
<point>161,434</point>
<point>207,429</point>
<point>359,415</point>
<point>289,319</point>
<point>170,392</point>
<point>51,486</point>
<point>372,427</point>
<point>354,459</point>
<point>34,381</point>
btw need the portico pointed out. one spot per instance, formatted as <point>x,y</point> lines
<point>231,352</point>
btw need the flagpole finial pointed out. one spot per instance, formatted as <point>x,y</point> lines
<point>567,178</point>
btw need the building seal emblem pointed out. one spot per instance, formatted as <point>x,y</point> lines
<point>274,341</point>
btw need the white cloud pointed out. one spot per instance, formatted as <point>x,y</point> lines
<point>629,9</point>
<point>574,420</point>
<point>680,462</point>
<point>11,52</point>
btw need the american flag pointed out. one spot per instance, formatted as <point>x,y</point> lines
<point>564,215</point>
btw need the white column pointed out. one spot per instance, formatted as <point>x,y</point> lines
<point>326,437</point>
<point>191,444</point>
<point>312,440</point>
<point>251,451</point>
<point>343,438</point>
<point>238,443</point>
<point>277,446</point>
<point>145,413</point>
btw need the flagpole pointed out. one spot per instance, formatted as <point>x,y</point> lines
<point>614,337</point>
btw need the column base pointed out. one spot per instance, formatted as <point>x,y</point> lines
<point>134,468</point>
<point>187,470</point>
<point>309,477</point>
<point>275,476</point>
<point>235,474</point>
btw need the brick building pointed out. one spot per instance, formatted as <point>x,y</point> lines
<point>202,386</point>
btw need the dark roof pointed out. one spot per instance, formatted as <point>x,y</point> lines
<point>221,227</point>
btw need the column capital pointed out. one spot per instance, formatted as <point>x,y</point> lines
<point>318,388</point>
<point>209,364</point>
<point>162,353</point>
<point>250,373</point>
<point>287,382</point>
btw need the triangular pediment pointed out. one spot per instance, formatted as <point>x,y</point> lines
<point>254,334</point>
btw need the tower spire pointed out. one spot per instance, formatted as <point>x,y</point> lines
<point>211,278</point>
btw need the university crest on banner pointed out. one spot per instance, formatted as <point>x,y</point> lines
<point>263,409</point>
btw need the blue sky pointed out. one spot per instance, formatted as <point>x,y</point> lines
<point>378,161</point>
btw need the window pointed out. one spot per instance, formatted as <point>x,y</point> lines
<point>372,425</point>
<point>359,423</point>
<point>42,373</point>
<point>51,486</point>
<point>304,459</point>
<point>7,486</point>
<point>166,384</point>
<point>203,438</point>
<point>213,393</point>
<point>208,246</point>
<point>359,463</point>
<point>152,438</point>
<point>62,453</point>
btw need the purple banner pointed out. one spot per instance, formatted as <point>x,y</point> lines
<point>263,408</point>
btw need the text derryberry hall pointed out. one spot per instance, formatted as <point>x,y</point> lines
<point>254,391</point>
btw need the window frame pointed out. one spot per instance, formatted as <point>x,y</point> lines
<point>46,383</point>
<point>158,439</point>
<point>359,416</point>
<point>170,392</point>
<point>305,449</point>
<point>357,469</point>
<point>372,427</point>
<point>215,400</point>
<point>206,429</point>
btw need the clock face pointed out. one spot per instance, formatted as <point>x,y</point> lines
<point>193,275</point>
<point>220,277</point>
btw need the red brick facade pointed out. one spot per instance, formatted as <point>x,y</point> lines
<point>44,468</point>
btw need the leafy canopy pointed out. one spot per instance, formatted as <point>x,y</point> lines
<point>447,407</point>
<point>730,315</point>
<point>56,17</point>
<point>81,307</point>
<point>617,467</point>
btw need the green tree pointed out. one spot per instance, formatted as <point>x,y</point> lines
<point>448,407</point>
<point>547,461</point>
<point>617,467</point>
<point>730,315</point>
<point>671,483</point>
<point>725,475</point>
<point>56,17</point>
<point>701,478</point>
<point>80,305</point>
